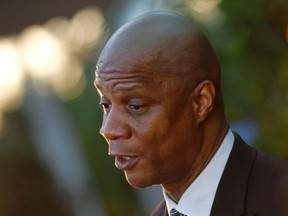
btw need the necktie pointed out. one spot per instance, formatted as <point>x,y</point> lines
<point>174,212</point>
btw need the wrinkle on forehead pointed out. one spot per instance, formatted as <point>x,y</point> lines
<point>109,75</point>
<point>128,67</point>
<point>147,61</point>
<point>122,81</point>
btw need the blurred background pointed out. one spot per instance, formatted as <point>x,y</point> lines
<point>52,158</point>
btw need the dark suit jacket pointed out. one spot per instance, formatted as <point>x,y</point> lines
<point>252,184</point>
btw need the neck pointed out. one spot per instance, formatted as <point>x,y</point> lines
<point>212,137</point>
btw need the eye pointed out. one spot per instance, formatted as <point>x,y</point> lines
<point>137,106</point>
<point>105,104</point>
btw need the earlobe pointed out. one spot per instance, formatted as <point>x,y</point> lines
<point>203,101</point>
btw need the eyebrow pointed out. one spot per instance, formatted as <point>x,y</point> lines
<point>126,88</point>
<point>120,88</point>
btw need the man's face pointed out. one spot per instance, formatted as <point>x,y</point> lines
<point>148,121</point>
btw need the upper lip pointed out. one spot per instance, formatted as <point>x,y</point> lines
<point>123,155</point>
<point>117,152</point>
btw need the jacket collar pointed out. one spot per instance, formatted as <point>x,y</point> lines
<point>232,190</point>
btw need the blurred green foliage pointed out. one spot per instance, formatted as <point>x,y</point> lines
<point>254,58</point>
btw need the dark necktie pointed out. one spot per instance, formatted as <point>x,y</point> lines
<point>174,212</point>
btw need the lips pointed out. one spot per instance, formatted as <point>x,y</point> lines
<point>124,162</point>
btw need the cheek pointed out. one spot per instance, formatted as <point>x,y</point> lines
<point>150,136</point>
<point>163,151</point>
<point>165,131</point>
<point>151,126</point>
<point>175,140</point>
<point>153,133</point>
<point>157,142</point>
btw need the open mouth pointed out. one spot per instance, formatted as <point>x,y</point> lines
<point>127,158</point>
<point>125,162</point>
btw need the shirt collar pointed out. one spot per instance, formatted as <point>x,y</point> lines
<point>199,196</point>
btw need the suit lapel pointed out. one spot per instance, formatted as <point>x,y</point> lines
<point>160,210</point>
<point>231,192</point>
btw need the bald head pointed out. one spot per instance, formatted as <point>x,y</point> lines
<point>168,44</point>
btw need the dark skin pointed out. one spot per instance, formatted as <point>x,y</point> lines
<point>159,83</point>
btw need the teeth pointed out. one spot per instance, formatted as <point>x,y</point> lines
<point>126,158</point>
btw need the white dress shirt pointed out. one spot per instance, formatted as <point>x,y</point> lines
<point>197,200</point>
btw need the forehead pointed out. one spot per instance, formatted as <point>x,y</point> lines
<point>125,80</point>
<point>116,66</point>
<point>134,60</point>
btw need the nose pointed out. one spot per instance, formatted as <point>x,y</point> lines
<point>114,126</point>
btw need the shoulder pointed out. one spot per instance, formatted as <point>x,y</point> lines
<point>265,169</point>
<point>270,174</point>
<point>263,164</point>
<point>269,167</point>
<point>268,185</point>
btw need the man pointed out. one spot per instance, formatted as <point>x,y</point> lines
<point>159,82</point>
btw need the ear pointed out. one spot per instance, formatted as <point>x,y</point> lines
<point>203,99</point>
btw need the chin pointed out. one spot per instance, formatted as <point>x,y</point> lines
<point>139,181</point>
